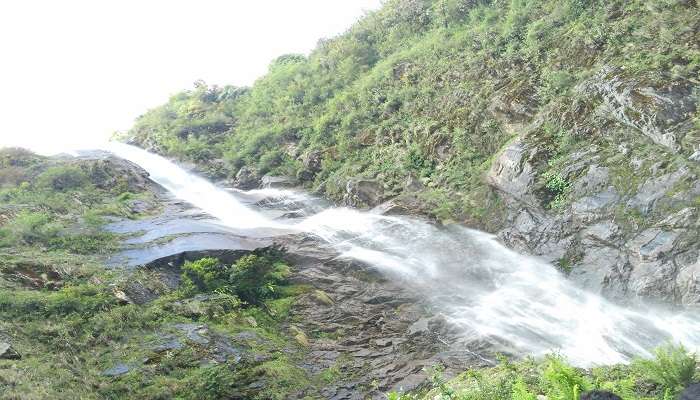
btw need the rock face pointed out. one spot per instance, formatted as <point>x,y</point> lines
<point>107,171</point>
<point>247,178</point>
<point>628,224</point>
<point>656,112</point>
<point>374,327</point>
<point>363,193</point>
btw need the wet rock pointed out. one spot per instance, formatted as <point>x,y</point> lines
<point>688,278</point>
<point>685,218</point>
<point>139,206</point>
<point>602,270</point>
<point>651,280</point>
<point>271,181</point>
<point>167,343</point>
<point>695,156</point>
<point>593,203</point>
<point>194,332</point>
<point>247,178</point>
<point>652,244</point>
<point>109,172</point>
<point>117,370</point>
<point>7,352</point>
<point>604,231</point>
<point>322,297</point>
<point>363,193</point>
<point>137,293</point>
<point>595,180</point>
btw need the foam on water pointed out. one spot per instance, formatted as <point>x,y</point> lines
<point>475,282</point>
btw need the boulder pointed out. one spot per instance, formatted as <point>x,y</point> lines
<point>108,172</point>
<point>247,178</point>
<point>312,165</point>
<point>275,182</point>
<point>512,174</point>
<point>363,193</point>
<point>7,352</point>
<point>117,370</point>
<point>299,336</point>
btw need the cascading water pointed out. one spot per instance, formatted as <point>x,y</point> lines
<point>475,282</point>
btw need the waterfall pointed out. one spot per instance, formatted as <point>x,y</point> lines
<point>478,284</point>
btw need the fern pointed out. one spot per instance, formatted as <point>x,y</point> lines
<point>563,381</point>
<point>672,368</point>
<point>520,391</point>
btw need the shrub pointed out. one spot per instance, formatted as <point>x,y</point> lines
<point>253,278</point>
<point>557,189</point>
<point>95,243</point>
<point>211,382</point>
<point>672,368</point>
<point>17,157</point>
<point>563,381</point>
<point>30,228</point>
<point>63,178</point>
<point>256,277</point>
<point>521,392</point>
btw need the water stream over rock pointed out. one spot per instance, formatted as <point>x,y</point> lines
<point>482,291</point>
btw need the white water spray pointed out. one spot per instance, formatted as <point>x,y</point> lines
<point>476,283</point>
<point>193,189</point>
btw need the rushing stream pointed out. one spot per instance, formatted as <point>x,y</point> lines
<point>485,289</point>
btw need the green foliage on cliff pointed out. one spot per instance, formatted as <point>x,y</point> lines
<point>433,88</point>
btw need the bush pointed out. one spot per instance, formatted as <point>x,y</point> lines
<point>672,368</point>
<point>63,178</point>
<point>30,228</point>
<point>18,157</point>
<point>563,381</point>
<point>253,278</point>
<point>211,382</point>
<point>96,243</point>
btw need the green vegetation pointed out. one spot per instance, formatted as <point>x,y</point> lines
<point>253,278</point>
<point>660,378</point>
<point>434,89</point>
<point>73,321</point>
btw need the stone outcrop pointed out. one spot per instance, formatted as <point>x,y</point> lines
<point>246,178</point>
<point>630,237</point>
<point>363,193</point>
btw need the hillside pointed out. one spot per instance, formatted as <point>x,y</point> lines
<point>570,128</point>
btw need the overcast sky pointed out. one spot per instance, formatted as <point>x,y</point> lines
<point>72,72</point>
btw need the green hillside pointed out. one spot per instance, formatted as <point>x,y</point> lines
<point>433,89</point>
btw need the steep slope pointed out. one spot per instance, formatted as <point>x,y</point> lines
<point>569,127</point>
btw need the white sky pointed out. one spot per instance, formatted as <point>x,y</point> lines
<point>72,72</point>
